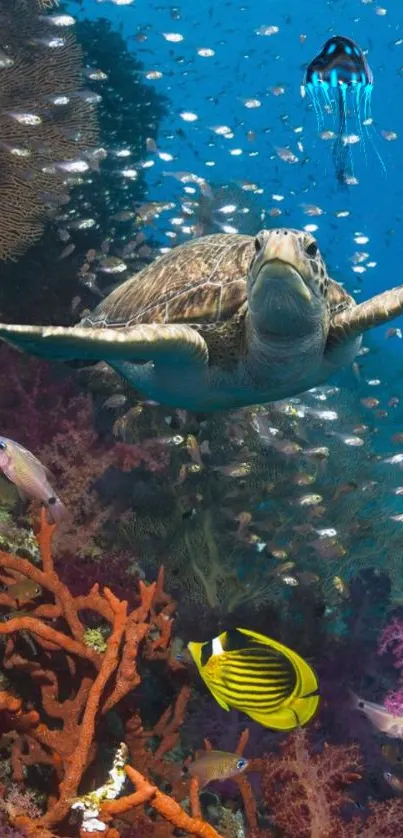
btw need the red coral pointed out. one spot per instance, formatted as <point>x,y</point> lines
<point>42,408</point>
<point>150,452</point>
<point>384,821</point>
<point>306,790</point>
<point>77,458</point>
<point>33,399</point>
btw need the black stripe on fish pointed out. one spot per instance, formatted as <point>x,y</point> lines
<point>246,666</point>
<point>258,674</point>
<point>261,695</point>
<point>258,691</point>
<point>246,660</point>
<point>234,639</point>
<point>261,658</point>
<point>243,702</point>
<point>268,673</point>
<point>257,687</point>
<point>255,676</point>
<point>257,652</point>
<point>206,652</point>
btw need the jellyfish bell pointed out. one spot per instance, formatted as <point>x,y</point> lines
<point>339,82</point>
<point>340,62</point>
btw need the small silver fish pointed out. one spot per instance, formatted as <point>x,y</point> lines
<point>380,717</point>
<point>95,75</point>
<point>58,20</point>
<point>30,477</point>
<point>394,781</point>
<point>25,118</point>
<point>115,401</point>
<point>67,251</point>
<point>68,165</point>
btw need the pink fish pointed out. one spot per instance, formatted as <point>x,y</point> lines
<point>380,717</point>
<point>30,477</point>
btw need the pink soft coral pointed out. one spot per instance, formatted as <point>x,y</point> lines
<point>392,636</point>
<point>33,398</point>
<point>392,639</point>
<point>77,458</point>
<point>306,791</point>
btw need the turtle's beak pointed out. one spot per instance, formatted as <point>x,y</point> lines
<point>284,274</point>
<point>278,263</point>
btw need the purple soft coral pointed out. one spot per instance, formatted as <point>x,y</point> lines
<point>306,788</point>
<point>7,831</point>
<point>391,639</point>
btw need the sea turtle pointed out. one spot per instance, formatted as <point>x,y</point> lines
<point>222,321</point>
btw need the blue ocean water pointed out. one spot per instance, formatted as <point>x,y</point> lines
<point>246,65</point>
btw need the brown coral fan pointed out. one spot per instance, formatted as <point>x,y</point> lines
<point>38,62</point>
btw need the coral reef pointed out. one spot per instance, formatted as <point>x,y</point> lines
<point>33,291</point>
<point>306,788</point>
<point>57,423</point>
<point>34,398</point>
<point>391,639</point>
<point>38,134</point>
<point>89,682</point>
<point>67,689</point>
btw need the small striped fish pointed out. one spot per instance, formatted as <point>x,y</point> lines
<point>260,677</point>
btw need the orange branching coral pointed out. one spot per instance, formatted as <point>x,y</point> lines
<point>46,726</point>
<point>162,803</point>
<point>38,132</point>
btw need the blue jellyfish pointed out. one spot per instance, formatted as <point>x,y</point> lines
<point>340,82</point>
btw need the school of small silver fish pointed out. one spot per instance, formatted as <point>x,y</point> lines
<point>209,157</point>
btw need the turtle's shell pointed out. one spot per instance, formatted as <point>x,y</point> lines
<point>200,282</point>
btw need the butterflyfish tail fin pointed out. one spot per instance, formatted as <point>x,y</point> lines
<point>307,675</point>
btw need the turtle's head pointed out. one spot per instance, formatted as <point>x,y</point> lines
<point>287,283</point>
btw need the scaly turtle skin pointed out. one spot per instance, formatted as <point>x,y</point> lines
<point>223,321</point>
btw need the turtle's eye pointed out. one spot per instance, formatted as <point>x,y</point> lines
<point>3,445</point>
<point>258,244</point>
<point>311,249</point>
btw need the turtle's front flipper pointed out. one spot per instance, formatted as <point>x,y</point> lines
<point>163,343</point>
<point>352,322</point>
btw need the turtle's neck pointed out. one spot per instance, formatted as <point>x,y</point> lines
<point>284,358</point>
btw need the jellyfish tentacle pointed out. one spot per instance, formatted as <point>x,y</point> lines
<point>340,82</point>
